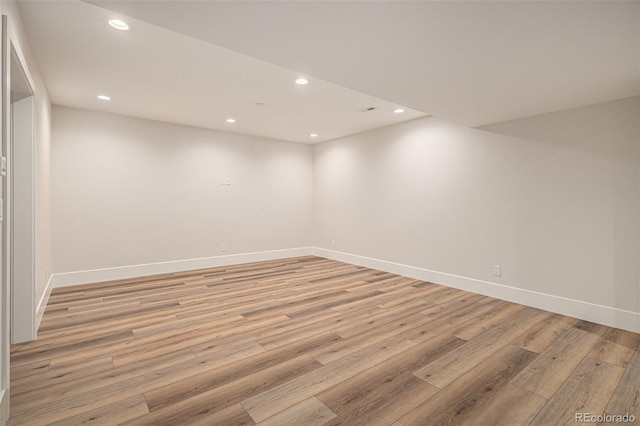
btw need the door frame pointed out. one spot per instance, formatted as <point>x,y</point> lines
<point>5,296</point>
<point>21,184</point>
<point>11,51</point>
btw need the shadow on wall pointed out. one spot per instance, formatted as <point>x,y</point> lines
<point>617,140</point>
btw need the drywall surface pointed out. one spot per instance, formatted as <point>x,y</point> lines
<point>133,192</point>
<point>608,135</point>
<point>44,245</point>
<point>43,229</point>
<point>552,199</point>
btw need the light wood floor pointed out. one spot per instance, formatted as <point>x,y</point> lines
<point>309,341</point>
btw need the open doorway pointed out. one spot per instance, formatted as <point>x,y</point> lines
<point>22,195</point>
<point>17,209</point>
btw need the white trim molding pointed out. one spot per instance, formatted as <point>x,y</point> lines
<point>133,271</point>
<point>600,314</point>
<point>42,304</point>
<point>4,406</point>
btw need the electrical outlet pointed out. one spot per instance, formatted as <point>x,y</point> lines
<point>332,243</point>
<point>497,270</point>
<point>223,247</point>
<point>225,181</point>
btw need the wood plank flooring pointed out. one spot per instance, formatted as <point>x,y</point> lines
<point>310,341</point>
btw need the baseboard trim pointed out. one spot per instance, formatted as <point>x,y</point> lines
<point>600,314</point>
<point>4,406</point>
<point>42,305</point>
<point>134,271</point>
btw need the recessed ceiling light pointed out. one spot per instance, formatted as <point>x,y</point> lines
<point>314,135</point>
<point>302,81</point>
<point>104,97</point>
<point>398,110</point>
<point>231,120</point>
<point>119,24</point>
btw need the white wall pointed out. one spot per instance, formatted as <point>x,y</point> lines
<point>606,139</point>
<point>44,258</point>
<point>554,201</point>
<point>23,209</point>
<point>43,253</point>
<point>136,192</point>
<point>44,246</point>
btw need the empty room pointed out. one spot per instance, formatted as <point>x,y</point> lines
<point>301,213</point>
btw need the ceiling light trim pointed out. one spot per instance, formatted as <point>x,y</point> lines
<point>119,24</point>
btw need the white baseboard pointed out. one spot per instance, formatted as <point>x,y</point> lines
<point>600,314</point>
<point>133,271</point>
<point>4,406</point>
<point>42,304</point>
